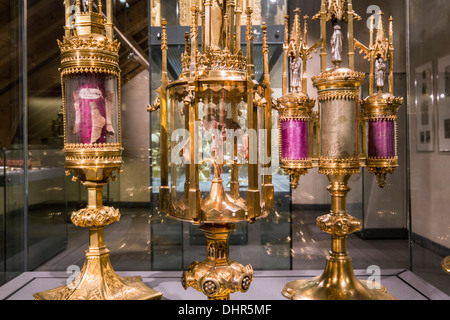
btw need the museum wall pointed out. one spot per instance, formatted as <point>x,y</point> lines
<point>12,136</point>
<point>428,110</point>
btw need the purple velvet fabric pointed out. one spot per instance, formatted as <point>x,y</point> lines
<point>95,83</point>
<point>382,139</point>
<point>294,139</point>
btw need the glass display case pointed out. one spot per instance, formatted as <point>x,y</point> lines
<point>405,225</point>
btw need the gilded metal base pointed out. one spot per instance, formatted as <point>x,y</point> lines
<point>446,264</point>
<point>338,282</point>
<point>218,276</point>
<point>98,281</point>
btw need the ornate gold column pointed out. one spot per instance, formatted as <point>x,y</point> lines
<point>338,281</point>
<point>218,276</point>
<point>97,279</point>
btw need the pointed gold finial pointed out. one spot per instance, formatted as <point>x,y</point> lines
<point>100,7</point>
<point>187,49</point>
<point>163,34</point>
<point>265,45</point>
<point>391,55</point>
<point>194,21</point>
<point>381,42</point>
<point>296,34</point>
<point>305,28</point>
<point>286,29</point>
<point>249,12</point>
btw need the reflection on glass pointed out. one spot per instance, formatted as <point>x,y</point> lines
<point>269,11</point>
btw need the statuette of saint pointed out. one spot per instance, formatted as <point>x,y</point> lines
<point>380,72</point>
<point>295,74</point>
<point>336,44</point>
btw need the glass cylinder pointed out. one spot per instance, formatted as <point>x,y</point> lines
<point>211,147</point>
<point>382,139</point>
<point>381,113</point>
<point>338,95</point>
<point>339,129</point>
<point>295,134</point>
<point>295,130</point>
<point>295,139</point>
<point>92,108</point>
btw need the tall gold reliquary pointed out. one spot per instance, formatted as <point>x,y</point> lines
<point>349,132</point>
<point>90,79</point>
<point>212,116</point>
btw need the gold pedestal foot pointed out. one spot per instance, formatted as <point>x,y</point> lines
<point>315,289</point>
<point>446,264</point>
<point>218,276</point>
<point>98,281</point>
<point>338,282</point>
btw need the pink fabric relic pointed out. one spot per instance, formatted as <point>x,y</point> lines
<point>294,138</point>
<point>90,122</point>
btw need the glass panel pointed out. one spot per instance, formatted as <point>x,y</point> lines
<point>46,218</point>
<point>13,165</point>
<point>36,199</point>
<point>266,243</point>
<point>180,154</point>
<point>223,138</point>
<point>428,114</point>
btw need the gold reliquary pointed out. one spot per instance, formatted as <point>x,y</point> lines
<point>211,117</point>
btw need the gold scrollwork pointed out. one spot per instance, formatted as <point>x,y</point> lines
<point>338,94</point>
<point>222,60</point>
<point>446,264</point>
<point>295,175</point>
<point>341,74</point>
<point>156,105</point>
<point>89,43</point>
<point>95,217</point>
<point>332,166</point>
<point>299,99</point>
<point>338,224</point>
